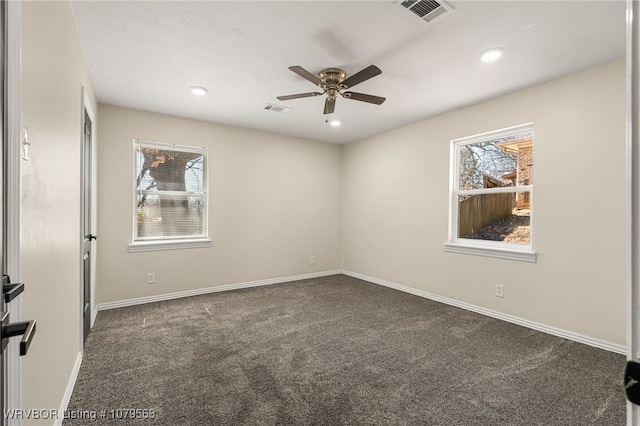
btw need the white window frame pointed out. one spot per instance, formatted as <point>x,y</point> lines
<point>499,249</point>
<point>144,244</point>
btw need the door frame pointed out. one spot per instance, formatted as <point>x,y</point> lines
<point>633,176</point>
<point>14,189</point>
<point>86,106</point>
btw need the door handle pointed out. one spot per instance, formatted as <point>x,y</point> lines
<point>632,381</point>
<point>26,329</point>
<point>11,291</point>
<point>92,237</point>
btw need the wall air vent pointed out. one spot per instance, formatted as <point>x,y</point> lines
<point>277,108</point>
<point>428,10</point>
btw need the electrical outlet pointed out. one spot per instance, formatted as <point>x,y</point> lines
<point>499,290</point>
<point>151,278</point>
<point>312,260</point>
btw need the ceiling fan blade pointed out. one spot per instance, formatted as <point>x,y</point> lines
<point>306,74</point>
<point>329,106</point>
<point>364,97</point>
<point>298,96</point>
<point>359,77</point>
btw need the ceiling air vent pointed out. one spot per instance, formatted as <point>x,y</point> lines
<point>277,108</point>
<point>428,9</point>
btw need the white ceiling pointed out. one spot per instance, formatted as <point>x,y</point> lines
<point>146,55</point>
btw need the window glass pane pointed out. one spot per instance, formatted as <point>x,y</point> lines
<point>170,215</point>
<point>499,162</point>
<point>495,217</point>
<point>170,191</point>
<point>169,170</point>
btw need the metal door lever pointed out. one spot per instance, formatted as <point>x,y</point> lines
<point>632,382</point>
<point>26,329</point>
<point>11,291</point>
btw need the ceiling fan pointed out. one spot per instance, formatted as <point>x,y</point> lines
<point>334,82</point>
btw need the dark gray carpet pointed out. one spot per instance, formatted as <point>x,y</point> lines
<point>338,351</point>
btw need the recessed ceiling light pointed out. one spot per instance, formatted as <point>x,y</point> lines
<point>335,123</point>
<point>491,55</point>
<point>198,90</point>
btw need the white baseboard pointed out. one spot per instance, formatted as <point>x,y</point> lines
<point>94,315</point>
<point>197,292</point>
<point>602,344</point>
<point>69,391</point>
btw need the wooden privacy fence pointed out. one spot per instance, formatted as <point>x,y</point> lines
<point>479,210</point>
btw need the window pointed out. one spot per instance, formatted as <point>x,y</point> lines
<point>492,194</point>
<point>169,197</point>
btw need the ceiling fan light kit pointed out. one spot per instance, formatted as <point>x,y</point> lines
<point>334,82</point>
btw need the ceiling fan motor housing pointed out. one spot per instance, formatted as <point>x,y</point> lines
<point>332,77</point>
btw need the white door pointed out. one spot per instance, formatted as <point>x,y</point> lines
<point>632,374</point>
<point>15,335</point>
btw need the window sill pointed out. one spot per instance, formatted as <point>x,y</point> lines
<point>499,252</point>
<point>160,245</point>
